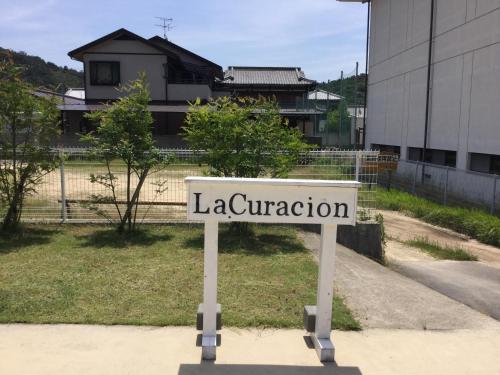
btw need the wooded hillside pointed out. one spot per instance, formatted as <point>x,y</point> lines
<point>352,89</point>
<point>41,73</point>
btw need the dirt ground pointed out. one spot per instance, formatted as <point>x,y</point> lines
<point>400,228</point>
<point>163,186</point>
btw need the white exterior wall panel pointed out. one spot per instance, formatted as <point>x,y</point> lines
<point>416,108</point>
<point>484,134</point>
<point>485,6</point>
<point>465,95</point>
<point>395,108</point>
<point>445,108</point>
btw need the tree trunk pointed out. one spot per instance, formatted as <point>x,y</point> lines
<point>127,216</point>
<point>11,219</point>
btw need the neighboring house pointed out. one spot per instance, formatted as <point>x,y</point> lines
<point>287,84</point>
<point>76,93</point>
<point>357,115</point>
<point>322,99</point>
<point>463,94</point>
<point>175,76</point>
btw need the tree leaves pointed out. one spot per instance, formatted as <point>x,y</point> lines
<point>243,137</point>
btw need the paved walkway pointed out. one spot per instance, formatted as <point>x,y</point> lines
<point>472,283</point>
<point>475,284</point>
<point>120,350</point>
<point>383,298</point>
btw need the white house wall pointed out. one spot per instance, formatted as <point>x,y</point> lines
<point>134,56</point>
<point>465,95</point>
<point>130,65</point>
<point>181,92</point>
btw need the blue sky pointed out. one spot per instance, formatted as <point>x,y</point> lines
<point>321,36</point>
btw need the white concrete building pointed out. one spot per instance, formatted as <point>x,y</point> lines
<point>463,127</point>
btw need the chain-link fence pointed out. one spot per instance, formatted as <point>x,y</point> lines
<point>445,185</point>
<point>340,104</point>
<point>68,194</point>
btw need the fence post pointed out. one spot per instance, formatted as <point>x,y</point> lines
<point>493,196</point>
<point>64,213</point>
<point>414,186</point>
<point>445,194</point>
<point>357,165</point>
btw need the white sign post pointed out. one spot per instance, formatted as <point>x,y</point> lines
<point>328,203</point>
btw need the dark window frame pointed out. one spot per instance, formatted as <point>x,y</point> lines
<point>115,73</point>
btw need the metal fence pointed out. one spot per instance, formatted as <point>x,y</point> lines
<point>445,185</point>
<point>67,194</point>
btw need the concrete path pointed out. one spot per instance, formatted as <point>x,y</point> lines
<point>120,350</point>
<point>475,284</point>
<point>383,298</point>
<point>472,283</point>
<point>400,227</point>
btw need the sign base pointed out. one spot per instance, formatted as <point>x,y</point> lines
<point>324,349</point>
<point>208,347</point>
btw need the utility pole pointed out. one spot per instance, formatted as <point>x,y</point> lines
<point>428,93</point>
<point>355,104</point>
<point>367,62</point>
<point>340,105</point>
<point>166,25</point>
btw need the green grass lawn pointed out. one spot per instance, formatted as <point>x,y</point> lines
<point>441,252</point>
<point>91,274</point>
<point>472,222</point>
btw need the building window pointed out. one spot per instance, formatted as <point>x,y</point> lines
<point>433,156</point>
<point>387,149</point>
<point>485,163</point>
<point>104,73</point>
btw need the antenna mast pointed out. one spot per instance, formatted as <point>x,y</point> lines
<point>166,25</point>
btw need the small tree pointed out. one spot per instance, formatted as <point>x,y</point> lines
<point>244,137</point>
<point>28,125</point>
<point>124,132</point>
<point>333,119</point>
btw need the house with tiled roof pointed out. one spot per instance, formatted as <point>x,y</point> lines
<point>176,76</point>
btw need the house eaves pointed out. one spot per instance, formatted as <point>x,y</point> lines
<point>77,54</point>
<point>168,44</point>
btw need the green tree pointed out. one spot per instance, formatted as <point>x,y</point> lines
<point>243,137</point>
<point>45,74</point>
<point>28,124</point>
<point>333,119</point>
<point>124,132</point>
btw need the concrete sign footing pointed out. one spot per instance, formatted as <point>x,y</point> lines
<point>309,318</point>
<point>208,347</point>
<point>324,349</point>
<point>199,318</point>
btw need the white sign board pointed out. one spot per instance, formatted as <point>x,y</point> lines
<point>329,203</point>
<point>272,200</point>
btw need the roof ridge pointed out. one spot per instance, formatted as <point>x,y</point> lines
<point>115,34</point>
<point>265,67</point>
<point>174,45</point>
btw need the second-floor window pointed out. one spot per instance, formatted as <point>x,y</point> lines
<point>104,73</point>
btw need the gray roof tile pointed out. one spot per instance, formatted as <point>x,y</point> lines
<point>243,75</point>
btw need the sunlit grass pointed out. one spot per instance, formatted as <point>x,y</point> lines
<point>91,274</point>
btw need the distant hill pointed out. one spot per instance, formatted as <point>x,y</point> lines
<point>349,89</point>
<point>41,73</point>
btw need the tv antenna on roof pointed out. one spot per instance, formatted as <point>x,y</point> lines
<point>166,25</point>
